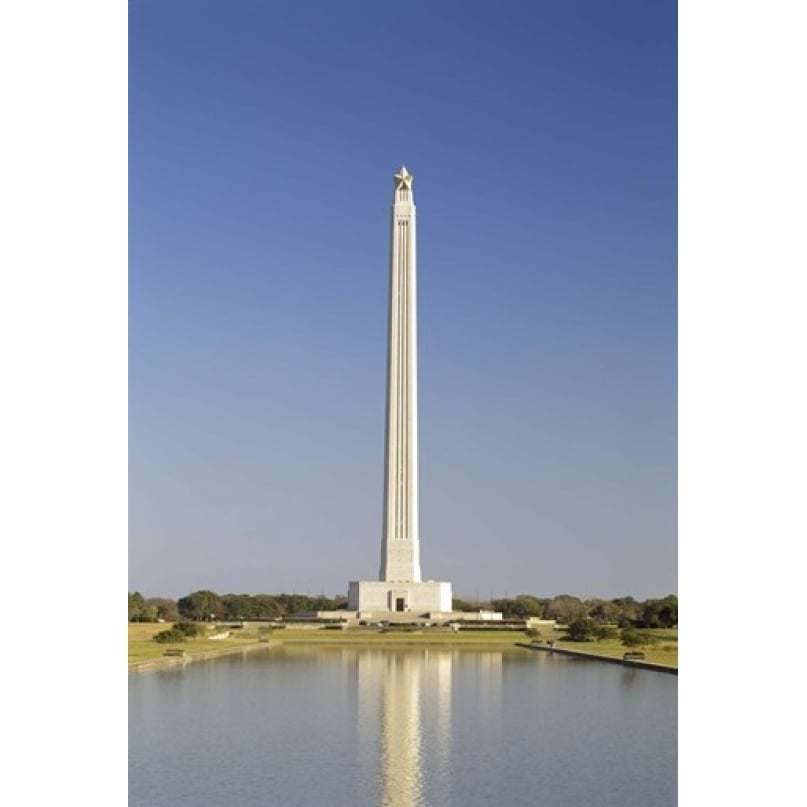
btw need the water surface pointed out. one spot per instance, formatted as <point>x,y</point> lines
<point>302,725</point>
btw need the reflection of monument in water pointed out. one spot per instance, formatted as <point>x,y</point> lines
<point>399,588</point>
<point>403,694</point>
<point>405,712</point>
<point>401,739</point>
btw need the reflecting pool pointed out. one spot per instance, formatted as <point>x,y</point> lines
<point>305,725</point>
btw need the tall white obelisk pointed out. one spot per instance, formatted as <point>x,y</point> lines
<point>399,587</point>
<point>400,550</point>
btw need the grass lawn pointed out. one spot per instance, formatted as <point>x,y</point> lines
<point>665,651</point>
<point>143,648</point>
<point>376,636</point>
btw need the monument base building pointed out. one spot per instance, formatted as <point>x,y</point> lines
<point>374,597</point>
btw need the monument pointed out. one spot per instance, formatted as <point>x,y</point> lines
<point>399,588</point>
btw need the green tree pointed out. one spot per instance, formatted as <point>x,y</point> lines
<point>523,606</point>
<point>267,606</point>
<point>200,605</point>
<point>628,611</point>
<point>136,606</point>
<point>238,606</point>
<point>659,613</point>
<point>565,609</point>
<point>321,603</point>
<point>581,629</point>
<point>166,609</point>
<point>668,612</point>
<point>505,606</point>
<point>603,611</point>
<point>291,604</point>
<point>528,606</point>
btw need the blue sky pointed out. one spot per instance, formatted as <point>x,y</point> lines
<point>263,138</point>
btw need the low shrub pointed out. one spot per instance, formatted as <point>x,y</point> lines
<point>189,628</point>
<point>170,636</point>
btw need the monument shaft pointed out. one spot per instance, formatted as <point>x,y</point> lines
<point>400,551</point>
<point>399,589</point>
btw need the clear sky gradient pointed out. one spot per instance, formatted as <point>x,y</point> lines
<point>263,140</point>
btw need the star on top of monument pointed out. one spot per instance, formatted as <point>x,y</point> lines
<point>403,179</point>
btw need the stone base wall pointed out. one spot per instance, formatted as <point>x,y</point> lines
<point>381,597</point>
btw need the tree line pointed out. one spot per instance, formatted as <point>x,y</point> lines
<point>204,604</point>
<point>564,608</point>
<point>625,612</point>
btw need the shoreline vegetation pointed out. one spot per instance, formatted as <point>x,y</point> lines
<point>144,652</point>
